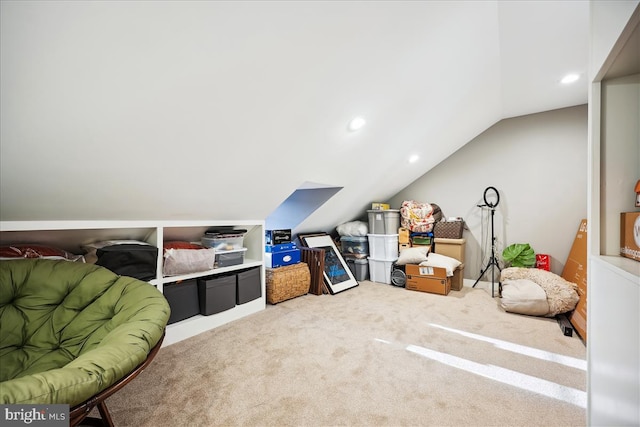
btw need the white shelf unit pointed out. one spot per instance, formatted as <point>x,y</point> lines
<point>73,235</point>
<point>613,303</point>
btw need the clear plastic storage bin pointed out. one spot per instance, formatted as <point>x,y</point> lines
<point>356,245</point>
<point>223,242</point>
<point>228,258</point>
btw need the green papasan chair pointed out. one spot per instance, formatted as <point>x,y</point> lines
<point>74,333</point>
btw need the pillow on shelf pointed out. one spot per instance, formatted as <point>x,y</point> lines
<point>413,255</point>
<point>24,250</point>
<point>442,261</point>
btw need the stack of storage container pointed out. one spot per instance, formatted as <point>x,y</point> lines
<point>355,250</point>
<point>228,245</point>
<point>286,276</point>
<point>383,243</point>
<point>279,249</point>
<point>211,294</point>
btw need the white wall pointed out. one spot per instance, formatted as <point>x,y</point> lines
<point>613,352</point>
<point>538,163</point>
<point>620,154</point>
<point>221,110</point>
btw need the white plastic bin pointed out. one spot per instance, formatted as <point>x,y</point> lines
<point>383,246</point>
<point>380,270</point>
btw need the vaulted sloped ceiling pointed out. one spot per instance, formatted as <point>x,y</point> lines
<point>220,110</point>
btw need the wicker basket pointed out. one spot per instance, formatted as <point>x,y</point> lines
<point>287,282</point>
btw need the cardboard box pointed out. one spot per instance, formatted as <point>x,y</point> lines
<point>380,206</point>
<point>427,279</point>
<point>282,247</point>
<point>453,248</point>
<point>630,235</point>
<point>403,235</point>
<point>575,270</point>
<point>457,280</point>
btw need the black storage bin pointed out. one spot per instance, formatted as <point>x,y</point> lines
<point>249,285</point>
<point>217,294</point>
<point>133,260</point>
<point>183,299</point>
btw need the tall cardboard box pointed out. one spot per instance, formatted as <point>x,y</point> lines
<point>427,279</point>
<point>453,248</point>
<point>575,270</point>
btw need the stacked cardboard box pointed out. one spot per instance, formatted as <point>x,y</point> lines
<point>454,248</point>
<point>279,250</point>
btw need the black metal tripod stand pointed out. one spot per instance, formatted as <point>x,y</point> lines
<point>493,261</point>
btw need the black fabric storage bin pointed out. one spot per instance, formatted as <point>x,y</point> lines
<point>249,285</point>
<point>217,294</point>
<point>183,299</point>
<point>133,260</point>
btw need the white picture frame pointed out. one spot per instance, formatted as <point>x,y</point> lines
<point>337,275</point>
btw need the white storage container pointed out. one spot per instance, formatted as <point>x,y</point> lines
<point>384,221</point>
<point>383,246</point>
<point>380,270</point>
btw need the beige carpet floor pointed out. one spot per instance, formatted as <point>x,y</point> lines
<point>374,355</point>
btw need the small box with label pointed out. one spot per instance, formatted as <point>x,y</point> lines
<point>427,279</point>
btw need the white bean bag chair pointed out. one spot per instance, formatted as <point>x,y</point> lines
<point>526,290</point>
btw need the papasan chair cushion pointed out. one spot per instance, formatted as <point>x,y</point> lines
<point>70,330</point>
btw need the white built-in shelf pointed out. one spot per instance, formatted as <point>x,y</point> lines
<point>623,266</point>
<point>74,235</point>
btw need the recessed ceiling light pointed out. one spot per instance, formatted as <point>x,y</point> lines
<point>413,158</point>
<point>570,78</point>
<point>356,124</point>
